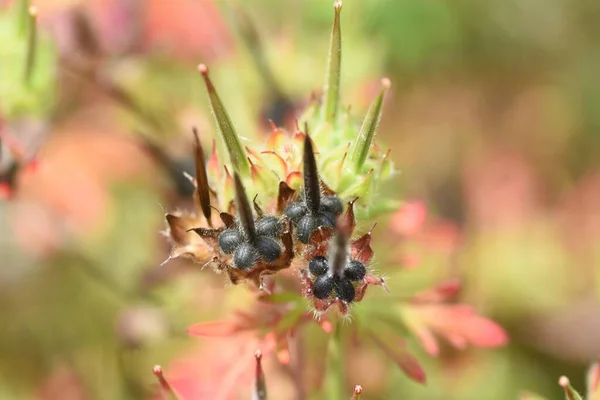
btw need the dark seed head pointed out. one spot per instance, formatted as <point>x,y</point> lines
<point>344,289</point>
<point>229,240</point>
<point>295,211</point>
<point>318,266</point>
<point>268,226</point>
<point>355,270</point>
<point>306,226</point>
<point>268,248</point>
<point>245,256</point>
<point>332,205</point>
<point>322,287</point>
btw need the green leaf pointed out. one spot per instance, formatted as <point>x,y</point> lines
<point>369,127</point>
<point>31,44</point>
<point>281,298</point>
<point>236,151</point>
<point>290,319</point>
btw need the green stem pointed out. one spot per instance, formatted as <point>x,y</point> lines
<point>31,44</point>
<point>334,383</point>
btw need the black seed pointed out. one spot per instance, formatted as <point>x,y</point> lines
<point>332,205</point>
<point>268,248</point>
<point>229,240</point>
<point>343,289</point>
<point>355,270</point>
<point>245,256</point>
<point>268,226</point>
<point>326,219</point>
<point>318,266</point>
<point>322,286</point>
<point>295,211</point>
<point>306,227</point>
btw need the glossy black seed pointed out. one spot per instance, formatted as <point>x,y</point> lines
<point>268,248</point>
<point>306,226</point>
<point>344,289</point>
<point>229,239</point>
<point>332,205</point>
<point>355,270</point>
<point>322,287</point>
<point>318,266</point>
<point>245,256</point>
<point>295,211</point>
<point>268,226</point>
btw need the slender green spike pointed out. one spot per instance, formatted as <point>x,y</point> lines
<point>331,91</point>
<point>22,10</point>
<point>570,393</point>
<point>31,44</point>
<point>369,127</point>
<point>236,151</point>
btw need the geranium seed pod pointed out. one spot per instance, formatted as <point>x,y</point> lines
<point>322,287</point>
<point>344,289</point>
<point>306,226</point>
<point>268,226</point>
<point>229,240</point>
<point>245,256</point>
<point>332,205</point>
<point>268,249</point>
<point>318,266</point>
<point>295,211</point>
<point>355,270</point>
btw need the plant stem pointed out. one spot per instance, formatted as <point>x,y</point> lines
<point>334,381</point>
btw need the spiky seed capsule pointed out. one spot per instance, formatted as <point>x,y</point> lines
<point>318,266</point>
<point>314,209</point>
<point>322,287</point>
<point>245,256</point>
<point>229,240</point>
<point>355,270</point>
<point>344,289</point>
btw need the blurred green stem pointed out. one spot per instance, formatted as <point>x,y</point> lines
<point>334,384</point>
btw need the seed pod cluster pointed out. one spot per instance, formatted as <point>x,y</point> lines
<point>303,225</point>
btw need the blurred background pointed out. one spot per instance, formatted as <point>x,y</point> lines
<point>493,120</point>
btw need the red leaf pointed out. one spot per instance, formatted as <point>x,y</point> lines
<point>406,361</point>
<point>409,219</point>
